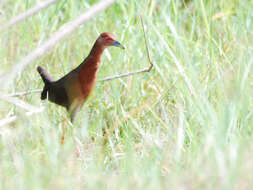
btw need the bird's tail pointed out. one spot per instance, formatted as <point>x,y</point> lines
<point>47,79</point>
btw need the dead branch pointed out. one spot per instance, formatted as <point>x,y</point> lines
<point>56,38</point>
<point>28,13</point>
<point>18,94</point>
<point>126,74</point>
<point>19,103</point>
<point>24,105</point>
<point>14,118</point>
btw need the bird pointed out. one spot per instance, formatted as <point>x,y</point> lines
<point>73,89</point>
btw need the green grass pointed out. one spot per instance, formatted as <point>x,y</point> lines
<point>185,125</point>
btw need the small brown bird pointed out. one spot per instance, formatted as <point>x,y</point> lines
<point>72,90</point>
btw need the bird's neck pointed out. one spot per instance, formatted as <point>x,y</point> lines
<point>95,53</point>
<point>89,68</point>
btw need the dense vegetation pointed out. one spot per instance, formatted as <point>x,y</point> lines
<point>185,125</point>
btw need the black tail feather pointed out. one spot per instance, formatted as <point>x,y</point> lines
<point>44,75</point>
<point>47,79</point>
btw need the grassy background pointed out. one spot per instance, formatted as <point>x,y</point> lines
<point>185,125</point>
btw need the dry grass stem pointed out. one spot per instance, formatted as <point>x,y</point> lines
<point>30,12</point>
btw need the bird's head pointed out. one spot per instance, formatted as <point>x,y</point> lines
<point>107,39</point>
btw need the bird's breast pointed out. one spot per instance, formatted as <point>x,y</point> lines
<point>87,79</point>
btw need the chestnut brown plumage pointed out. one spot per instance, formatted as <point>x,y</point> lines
<point>72,90</point>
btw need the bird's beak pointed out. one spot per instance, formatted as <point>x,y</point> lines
<point>117,44</point>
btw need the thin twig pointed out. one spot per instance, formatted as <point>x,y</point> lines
<point>20,103</point>
<point>104,79</point>
<point>55,39</point>
<point>28,13</point>
<point>18,94</point>
<point>146,44</point>
<point>126,74</point>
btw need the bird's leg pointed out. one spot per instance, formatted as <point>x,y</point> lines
<point>63,131</point>
<point>77,142</point>
<point>74,108</point>
<point>78,145</point>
